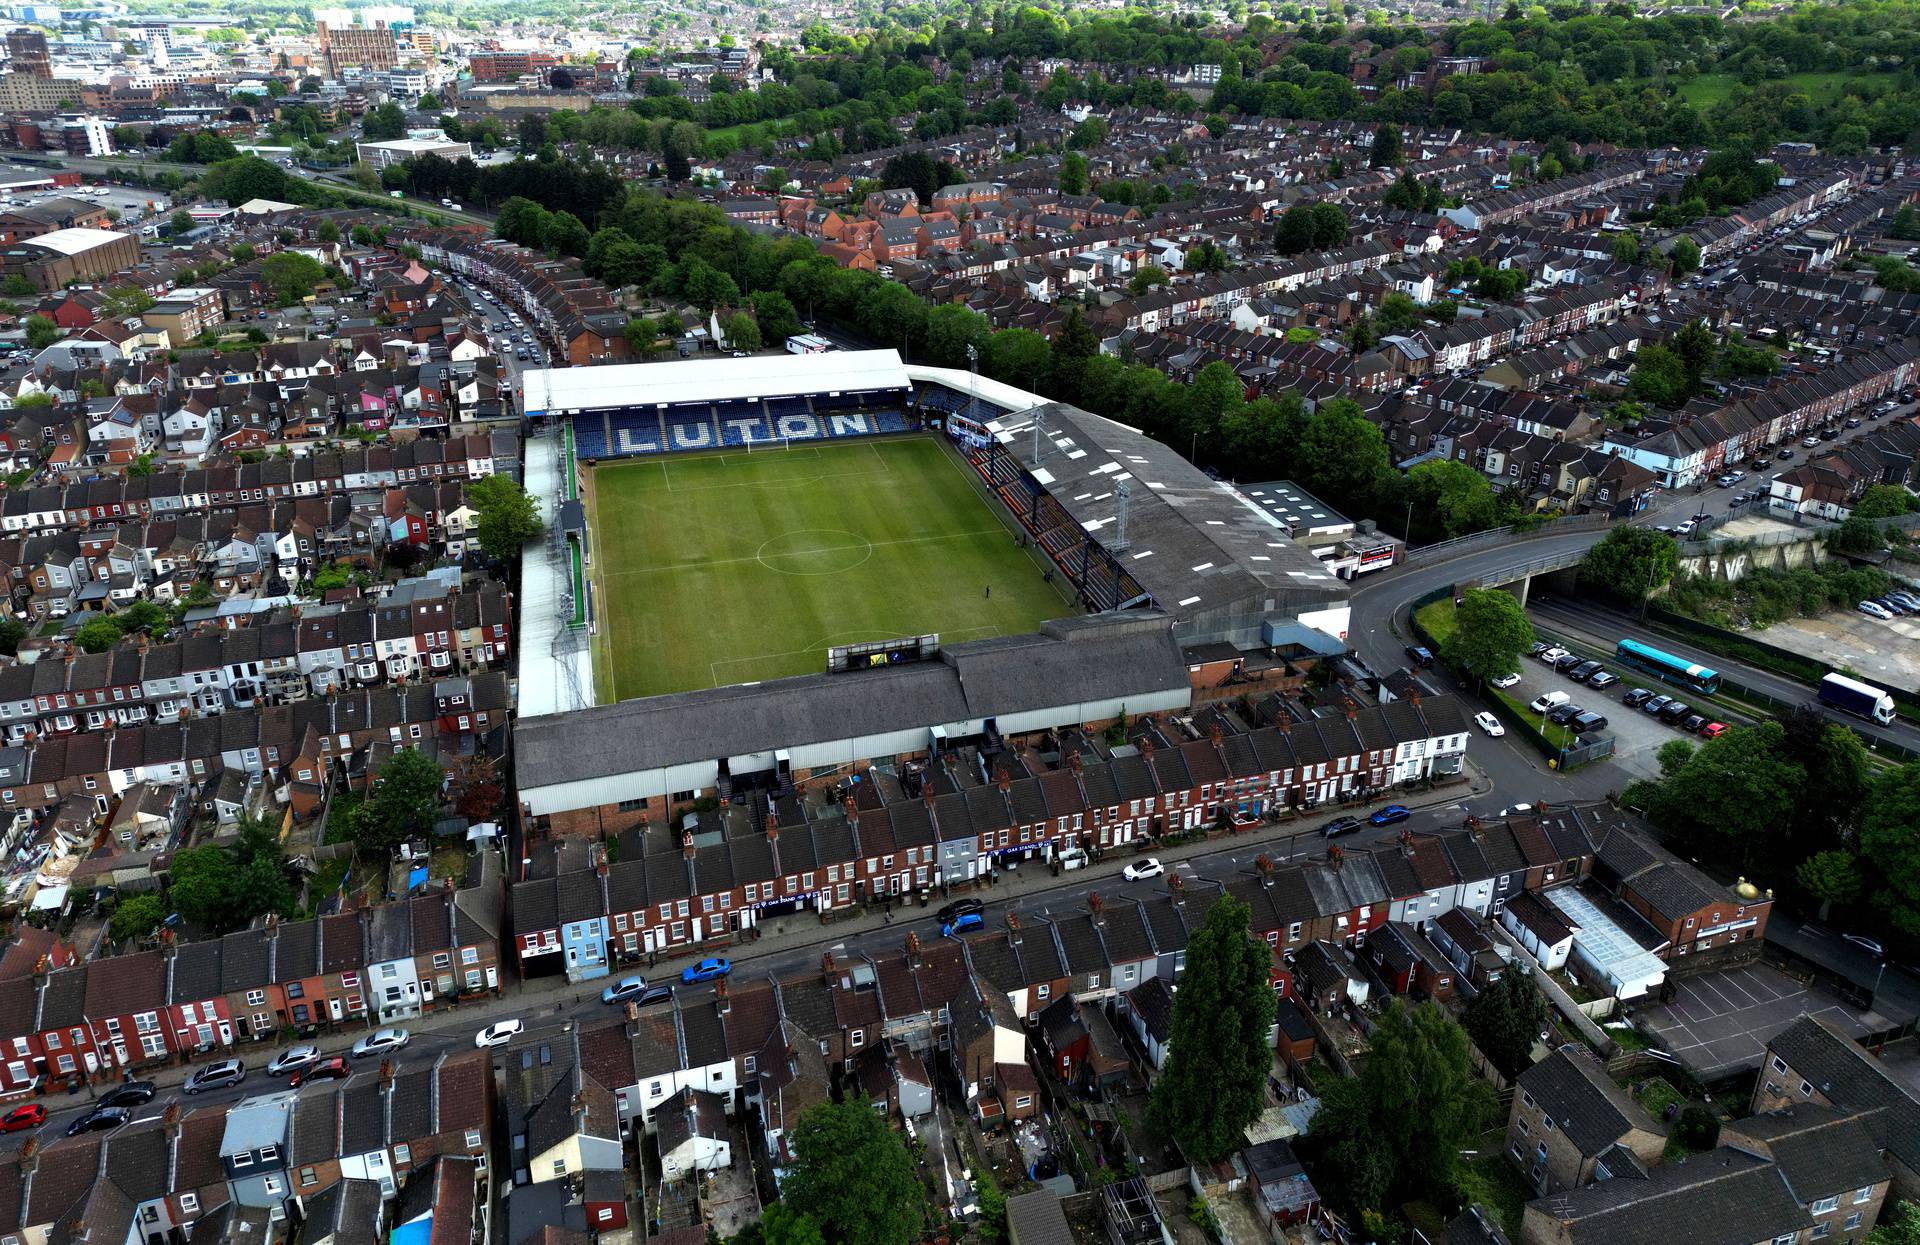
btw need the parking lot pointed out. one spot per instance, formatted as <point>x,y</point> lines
<point>1637,736</point>
<point>1886,652</point>
<point>1720,1022</point>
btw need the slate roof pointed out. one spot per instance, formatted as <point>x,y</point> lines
<point>1583,1100</point>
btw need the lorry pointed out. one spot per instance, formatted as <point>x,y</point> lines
<point>1837,691</point>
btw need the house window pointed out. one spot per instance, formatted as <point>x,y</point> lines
<point>1826,1205</point>
<point>189,1204</point>
<point>308,1176</point>
<point>559,1167</point>
<point>473,1140</point>
<point>1861,1196</point>
<point>1041,991</point>
<point>858,1039</point>
<point>1853,1221</point>
<point>1778,1064</point>
<point>1023,1102</point>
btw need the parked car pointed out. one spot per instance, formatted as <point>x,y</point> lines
<point>1567,661</point>
<point>634,989</point>
<point>1637,697</point>
<point>1602,678</point>
<point>1905,598</point>
<point>1873,609</point>
<point>706,970</point>
<point>1341,825</point>
<point>1537,647</point>
<point>98,1120</point>
<point>215,1075</point>
<point>1488,723</point>
<point>499,1033</point>
<point>1693,722</point>
<point>1548,701</point>
<point>1551,655</point>
<point>1419,655</point>
<point>961,923</point>
<point>959,906</point>
<point>1390,815</point>
<point>289,1061</point>
<point>1589,721</point>
<point>1713,730</point>
<point>1675,711</point>
<point>334,1069</point>
<point>1565,714</point>
<point>1140,870</point>
<point>1655,704</point>
<point>1507,680</point>
<point>128,1094</point>
<point>1582,672</point>
<point>383,1042</point>
<point>21,1118</point>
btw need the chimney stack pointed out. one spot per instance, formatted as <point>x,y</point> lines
<point>827,969</point>
<point>721,1001</point>
<point>1217,734</point>
<point>1265,865</point>
<point>1097,906</point>
<point>1013,929</point>
<point>686,845</point>
<point>913,949</point>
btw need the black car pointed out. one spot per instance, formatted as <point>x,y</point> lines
<point>1675,711</point>
<point>1693,723</point>
<point>1568,662</point>
<point>1585,670</point>
<point>1589,722</point>
<point>1420,655</point>
<point>128,1094</point>
<point>959,908</point>
<point>98,1120</point>
<point>1341,825</point>
<point>1637,697</point>
<point>1537,647</point>
<point>1564,714</point>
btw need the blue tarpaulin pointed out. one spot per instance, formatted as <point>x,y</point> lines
<point>417,877</point>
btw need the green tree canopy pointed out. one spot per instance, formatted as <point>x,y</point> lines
<point>1490,632</point>
<point>852,1176</point>
<point>507,516</point>
<point>137,916</point>
<point>1632,563</point>
<point>1214,1083</point>
<point>292,276</point>
<point>1505,1019</point>
<point>404,804</point>
<point>1891,846</point>
<point>741,331</point>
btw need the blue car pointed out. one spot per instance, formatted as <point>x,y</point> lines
<point>705,970</point>
<point>1390,814</point>
<point>964,921</point>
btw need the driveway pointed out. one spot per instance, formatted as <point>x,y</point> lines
<point>1720,1022</point>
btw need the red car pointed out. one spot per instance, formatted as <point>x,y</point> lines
<point>32,1115</point>
<point>333,1069</point>
<point>1714,729</point>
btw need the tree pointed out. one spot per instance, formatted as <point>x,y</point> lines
<point>852,1176</point>
<point>706,286</point>
<point>1490,632</point>
<point>1900,1226</point>
<point>1343,455</point>
<point>741,332</point>
<point>1890,846</point>
<point>1388,148</point>
<point>1832,877</point>
<point>1396,1130</point>
<point>774,313</point>
<point>562,233</point>
<point>327,234</point>
<point>507,515</point>
<point>1329,226</point>
<point>12,631</point>
<point>1146,277</point>
<point>97,636</point>
<point>1504,1020</point>
<point>384,122</point>
<point>1906,223</point>
<point>1885,501</point>
<point>1632,563</point>
<point>476,789</point>
<point>291,276</point>
<point>1684,256</point>
<point>137,916</point>
<point>780,1224</point>
<point>1204,256</point>
<point>1215,1080</point>
<point>404,804</point>
<point>1073,174</point>
<point>1449,499</point>
<point>1294,234</point>
<point>201,884</point>
<point>41,332</point>
<point>1626,248</point>
<point>1734,786</point>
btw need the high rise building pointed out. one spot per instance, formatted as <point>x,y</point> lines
<point>27,51</point>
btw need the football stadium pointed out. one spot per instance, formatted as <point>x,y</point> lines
<point>775,565</point>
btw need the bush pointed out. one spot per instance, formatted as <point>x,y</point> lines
<point>1697,1128</point>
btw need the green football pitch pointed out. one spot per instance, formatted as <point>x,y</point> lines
<point>732,567</point>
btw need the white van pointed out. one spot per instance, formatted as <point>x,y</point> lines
<point>1547,702</point>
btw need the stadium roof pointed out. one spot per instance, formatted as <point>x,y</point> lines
<point>1194,543</point>
<point>74,241</point>
<point>628,385</point>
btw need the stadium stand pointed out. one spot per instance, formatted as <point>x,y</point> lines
<point>738,423</point>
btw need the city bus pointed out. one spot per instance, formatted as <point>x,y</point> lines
<point>1687,674</point>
